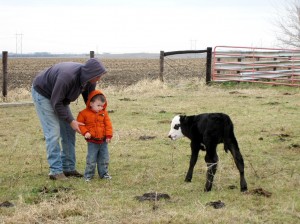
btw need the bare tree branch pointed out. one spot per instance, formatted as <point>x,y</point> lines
<point>289,25</point>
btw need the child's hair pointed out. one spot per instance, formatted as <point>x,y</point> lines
<point>100,97</point>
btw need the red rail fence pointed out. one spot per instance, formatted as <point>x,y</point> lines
<point>260,65</point>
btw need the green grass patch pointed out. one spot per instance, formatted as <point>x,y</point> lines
<point>143,160</point>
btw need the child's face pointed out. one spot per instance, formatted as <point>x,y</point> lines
<point>95,80</point>
<point>97,105</point>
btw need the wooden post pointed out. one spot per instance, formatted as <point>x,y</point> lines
<point>208,65</point>
<point>161,71</point>
<point>4,66</point>
<point>92,54</point>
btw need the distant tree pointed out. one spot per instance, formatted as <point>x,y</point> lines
<point>288,24</point>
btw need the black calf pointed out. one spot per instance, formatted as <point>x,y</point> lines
<point>206,131</point>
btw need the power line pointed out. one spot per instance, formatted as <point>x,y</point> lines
<point>193,44</point>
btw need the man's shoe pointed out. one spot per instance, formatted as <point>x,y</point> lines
<point>59,176</point>
<point>73,173</point>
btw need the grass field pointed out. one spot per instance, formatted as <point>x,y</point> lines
<point>143,159</point>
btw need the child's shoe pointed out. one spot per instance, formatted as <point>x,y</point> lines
<point>106,176</point>
<point>87,179</point>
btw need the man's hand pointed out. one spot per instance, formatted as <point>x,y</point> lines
<point>75,126</point>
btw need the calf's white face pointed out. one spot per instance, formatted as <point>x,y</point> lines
<point>175,131</point>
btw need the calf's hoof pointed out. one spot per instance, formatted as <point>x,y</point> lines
<point>188,180</point>
<point>243,186</point>
<point>244,189</point>
<point>207,190</point>
<point>208,187</point>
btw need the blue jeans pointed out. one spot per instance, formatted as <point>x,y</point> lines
<point>56,131</point>
<point>97,155</point>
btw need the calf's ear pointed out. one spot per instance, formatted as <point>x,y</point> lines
<point>182,118</point>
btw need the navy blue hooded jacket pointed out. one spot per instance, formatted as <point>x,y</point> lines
<point>64,82</point>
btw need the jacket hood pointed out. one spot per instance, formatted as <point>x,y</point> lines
<point>91,95</point>
<point>91,69</point>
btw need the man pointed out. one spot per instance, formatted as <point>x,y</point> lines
<point>52,91</point>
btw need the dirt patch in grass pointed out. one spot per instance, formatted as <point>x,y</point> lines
<point>216,204</point>
<point>46,190</point>
<point>145,137</point>
<point>152,196</point>
<point>6,204</point>
<point>260,192</point>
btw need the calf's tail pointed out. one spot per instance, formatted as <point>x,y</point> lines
<point>229,138</point>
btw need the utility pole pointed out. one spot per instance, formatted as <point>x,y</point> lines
<point>19,39</point>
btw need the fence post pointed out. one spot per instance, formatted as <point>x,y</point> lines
<point>208,65</point>
<point>4,66</point>
<point>161,71</point>
<point>92,54</point>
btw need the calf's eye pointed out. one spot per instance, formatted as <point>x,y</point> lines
<point>176,126</point>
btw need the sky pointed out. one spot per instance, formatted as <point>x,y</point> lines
<point>134,26</point>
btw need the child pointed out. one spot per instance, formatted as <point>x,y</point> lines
<point>97,132</point>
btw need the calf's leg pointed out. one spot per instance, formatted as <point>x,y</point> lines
<point>211,159</point>
<point>239,162</point>
<point>193,161</point>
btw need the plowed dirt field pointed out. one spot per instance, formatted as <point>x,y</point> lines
<point>121,72</point>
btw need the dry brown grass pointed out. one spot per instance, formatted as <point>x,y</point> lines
<point>17,95</point>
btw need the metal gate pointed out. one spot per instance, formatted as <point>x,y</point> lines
<point>261,65</point>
